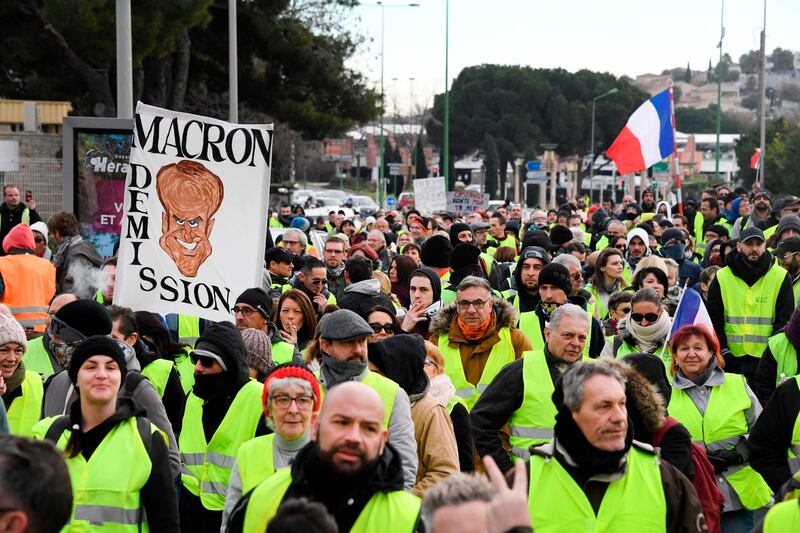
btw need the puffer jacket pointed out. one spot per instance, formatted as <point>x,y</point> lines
<point>475,354</point>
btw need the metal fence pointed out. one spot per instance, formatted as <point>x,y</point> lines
<point>43,177</point>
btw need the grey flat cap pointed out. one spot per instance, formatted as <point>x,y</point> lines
<point>343,325</point>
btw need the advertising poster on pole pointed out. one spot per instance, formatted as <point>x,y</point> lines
<point>430,195</point>
<point>196,198</point>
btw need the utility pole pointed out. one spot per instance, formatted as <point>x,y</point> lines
<point>233,67</point>
<point>124,60</point>
<point>446,148</point>
<point>719,90</point>
<point>762,111</point>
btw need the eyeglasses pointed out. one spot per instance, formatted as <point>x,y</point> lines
<point>387,328</point>
<point>624,310</point>
<point>464,305</point>
<point>205,362</point>
<point>620,246</point>
<point>576,276</point>
<point>285,242</point>
<point>319,281</point>
<point>335,252</point>
<point>638,317</point>
<point>283,401</point>
<point>246,311</point>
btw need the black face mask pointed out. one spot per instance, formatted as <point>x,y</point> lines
<point>631,216</point>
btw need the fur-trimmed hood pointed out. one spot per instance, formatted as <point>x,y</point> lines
<point>645,405</point>
<point>507,316</point>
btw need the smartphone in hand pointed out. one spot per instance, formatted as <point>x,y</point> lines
<point>28,196</point>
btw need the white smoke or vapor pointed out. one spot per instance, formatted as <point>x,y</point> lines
<point>86,279</point>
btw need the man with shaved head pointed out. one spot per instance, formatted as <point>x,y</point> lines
<point>350,468</point>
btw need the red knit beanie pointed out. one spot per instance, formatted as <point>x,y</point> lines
<point>292,370</point>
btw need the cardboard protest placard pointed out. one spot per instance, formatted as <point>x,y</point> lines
<point>464,202</point>
<point>196,199</point>
<point>430,195</point>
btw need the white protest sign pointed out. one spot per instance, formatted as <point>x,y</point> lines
<point>464,202</point>
<point>430,195</point>
<point>196,200</point>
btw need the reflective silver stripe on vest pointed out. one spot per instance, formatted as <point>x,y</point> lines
<point>482,387</point>
<point>796,449</point>
<point>218,459</point>
<point>752,320</point>
<point>760,339</point>
<point>186,471</point>
<point>193,459</point>
<point>215,487</point>
<point>520,452</point>
<point>188,340</point>
<point>466,392</point>
<point>723,444</point>
<point>794,464</point>
<point>101,514</point>
<point>531,433</point>
<point>31,322</point>
<point>15,310</point>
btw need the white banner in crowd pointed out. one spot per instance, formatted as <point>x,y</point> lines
<point>430,195</point>
<point>195,213</point>
<point>465,202</point>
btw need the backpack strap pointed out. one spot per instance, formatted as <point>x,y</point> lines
<point>132,380</point>
<point>617,344</point>
<point>57,429</point>
<point>669,423</point>
<point>145,432</point>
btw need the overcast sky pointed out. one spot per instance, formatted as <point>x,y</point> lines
<point>624,37</point>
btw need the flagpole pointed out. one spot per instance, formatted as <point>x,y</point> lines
<point>677,168</point>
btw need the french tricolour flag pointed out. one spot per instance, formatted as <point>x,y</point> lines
<point>691,310</point>
<point>647,138</point>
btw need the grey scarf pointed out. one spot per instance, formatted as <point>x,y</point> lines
<point>63,246</point>
<point>335,371</point>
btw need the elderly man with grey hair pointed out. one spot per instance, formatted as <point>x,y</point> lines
<point>377,241</point>
<point>520,395</point>
<point>594,474</point>
<point>291,402</point>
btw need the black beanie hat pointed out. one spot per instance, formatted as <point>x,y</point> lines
<point>455,229</point>
<point>556,275</point>
<point>464,255</point>
<point>540,239</point>
<point>96,345</point>
<point>258,299</point>
<point>86,317</point>
<point>436,252</point>
<point>560,235</point>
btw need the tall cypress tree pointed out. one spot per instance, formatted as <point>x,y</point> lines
<point>419,159</point>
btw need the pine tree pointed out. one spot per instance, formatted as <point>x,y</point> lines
<point>419,159</point>
<point>688,76</point>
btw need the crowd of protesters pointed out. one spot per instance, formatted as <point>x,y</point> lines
<point>588,368</point>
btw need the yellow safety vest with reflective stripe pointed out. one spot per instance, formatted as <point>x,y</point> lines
<point>794,449</point>
<point>624,349</point>
<point>502,353</point>
<point>699,237</point>
<point>282,352</point>
<point>37,359</point>
<point>388,512</point>
<point>385,387</point>
<point>530,326</point>
<point>106,489</point>
<point>508,242</point>
<point>633,503</point>
<point>783,517</point>
<point>26,409</point>
<point>720,428</point>
<point>532,424</point>
<point>600,311</point>
<point>770,231</point>
<point>785,356</point>
<point>157,373</point>
<point>255,461</point>
<point>206,467</point>
<point>749,312</point>
<point>188,329</point>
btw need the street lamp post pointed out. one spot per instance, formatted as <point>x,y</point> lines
<point>381,184</point>
<point>592,147</point>
<point>446,143</point>
<point>719,90</point>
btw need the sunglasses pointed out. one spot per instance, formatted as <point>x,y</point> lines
<point>650,317</point>
<point>205,362</point>
<point>377,327</point>
<point>38,239</point>
<point>319,281</point>
<point>624,310</point>
<point>620,247</point>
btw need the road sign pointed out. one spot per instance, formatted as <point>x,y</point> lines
<point>536,177</point>
<point>395,169</point>
<point>391,201</point>
<point>533,166</point>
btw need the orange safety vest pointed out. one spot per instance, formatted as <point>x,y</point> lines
<point>30,284</point>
